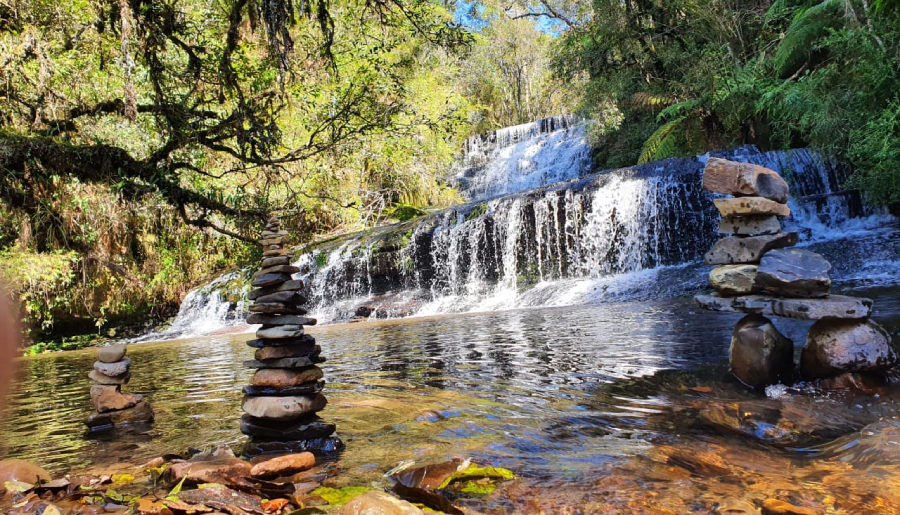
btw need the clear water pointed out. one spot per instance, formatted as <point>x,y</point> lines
<point>614,407</point>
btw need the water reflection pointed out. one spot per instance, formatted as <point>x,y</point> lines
<point>560,395</point>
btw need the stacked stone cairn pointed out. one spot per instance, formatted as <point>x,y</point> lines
<point>111,370</point>
<point>285,392</point>
<point>758,273</point>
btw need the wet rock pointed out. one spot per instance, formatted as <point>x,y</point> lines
<point>378,503</point>
<point>835,346</point>
<point>750,206</point>
<point>735,249</point>
<point>364,311</point>
<point>749,225</point>
<point>730,280</point>
<point>285,362</point>
<point>284,465</point>
<point>291,298</point>
<point>111,353</point>
<point>277,269</point>
<point>304,389</point>
<point>141,412</point>
<point>292,285</point>
<point>833,306</point>
<point>775,506</point>
<point>265,280</point>
<point>868,383</point>
<point>280,332</point>
<point>291,351</point>
<point>21,470</point>
<point>794,273</point>
<point>760,355</point>
<point>274,261</point>
<point>283,408</point>
<point>274,252</point>
<point>271,308</point>
<point>117,369</point>
<point>304,341</point>
<point>224,499</point>
<point>733,507</point>
<point>743,179</point>
<point>281,377</point>
<point>325,446</point>
<point>109,397</point>
<point>99,378</point>
<point>218,465</point>
<point>282,320</point>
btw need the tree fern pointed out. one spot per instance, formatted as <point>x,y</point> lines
<point>808,26</point>
<point>679,109</point>
<point>650,101</point>
<point>882,6</point>
<point>666,142</point>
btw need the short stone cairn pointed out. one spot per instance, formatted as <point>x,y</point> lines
<point>758,273</point>
<point>285,392</point>
<point>112,370</point>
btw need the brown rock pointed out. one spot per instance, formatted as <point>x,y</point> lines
<point>835,346</point>
<point>749,225</point>
<point>283,407</point>
<point>21,470</point>
<point>868,383</point>
<point>111,353</point>
<point>142,412</point>
<point>743,179</point>
<point>275,252</point>
<point>284,465</point>
<point>278,269</point>
<point>292,351</point>
<point>735,249</point>
<point>117,369</point>
<point>760,355</point>
<point>292,285</point>
<point>378,503</point>
<point>776,506</point>
<point>731,280</point>
<point>750,206</point>
<point>833,306</point>
<point>281,377</point>
<point>99,378</point>
<point>216,466</point>
<point>273,261</point>
<point>109,398</point>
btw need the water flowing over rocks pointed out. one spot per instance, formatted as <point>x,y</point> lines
<point>842,340</point>
<point>284,396</point>
<point>113,407</point>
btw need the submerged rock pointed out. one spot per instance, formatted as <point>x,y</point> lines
<point>21,470</point>
<point>305,429</point>
<point>140,412</point>
<point>109,397</point>
<point>750,206</point>
<point>833,306</point>
<point>304,389</point>
<point>835,346</point>
<point>284,465</point>
<point>760,355</point>
<point>794,273</point>
<point>218,465</point>
<point>736,249</point>
<point>743,179</point>
<point>111,353</point>
<point>730,280</point>
<point>378,503</point>
<point>868,383</point>
<point>749,225</point>
<point>283,408</point>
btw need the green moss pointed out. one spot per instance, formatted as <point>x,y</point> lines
<point>477,211</point>
<point>405,212</point>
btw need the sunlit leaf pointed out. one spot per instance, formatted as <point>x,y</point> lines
<point>339,496</point>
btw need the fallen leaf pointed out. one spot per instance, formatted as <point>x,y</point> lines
<point>339,496</point>
<point>702,389</point>
<point>19,487</point>
<point>274,505</point>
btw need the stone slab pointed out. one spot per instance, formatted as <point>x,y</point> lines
<point>301,362</point>
<point>282,320</point>
<point>287,351</point>
<point>293,298</point>
<point>305,340</point>
<point>736,249</point>
<point>750,206</point>
<point>99,378</point>
<point>304,429</point>
<point>292,285</point>
<point>794,273</point>
<point>278,269</point>
<point>280,332</point>
<point>272,308</point>
<point>265,280</point>
<point>734,280</point>
<point>749,225</point>
<point>283,408</point>
<point>833,306</point>
<point>743,179</point>
<point>305,389</point>
<point>117,369</point>
<point>282,377</point>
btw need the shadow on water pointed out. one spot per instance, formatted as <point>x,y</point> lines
<point>591,404</point>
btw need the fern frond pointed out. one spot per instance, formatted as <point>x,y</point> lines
<point>882,6</point>
<point>650,101</point>
<point>679,109</point>
<point>808,26</point>
<point>663,143</point>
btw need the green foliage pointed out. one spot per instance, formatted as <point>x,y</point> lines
<point>877,145</point>
<point>405,212</point>
<point>801,38</point>
<point>340,496</point>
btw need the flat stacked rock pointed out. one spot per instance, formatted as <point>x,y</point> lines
<point>285,392</point>
<point>112,370</point>
<point>760,274</point>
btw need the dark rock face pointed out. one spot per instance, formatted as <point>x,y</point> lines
<point>794,273</point>
<point>760,355</point>
<point>836,346</point>
<point>734,249</point>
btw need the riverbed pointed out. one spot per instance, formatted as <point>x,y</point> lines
<point>602,408</point>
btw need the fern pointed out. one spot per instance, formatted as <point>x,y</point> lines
<point>882,6</point>
<point>808,26</point>
<point>679,109</point>
<point>663,143</point>
<point>649,101</point>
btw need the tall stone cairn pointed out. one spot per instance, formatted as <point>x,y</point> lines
<point>286,390</point>
<point>112,370</point>
<point>758,273</point>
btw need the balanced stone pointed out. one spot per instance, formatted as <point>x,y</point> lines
<point>304,341</point>
<point>731,280</point>
<point>275,252</point>
<point>283,408</point>
<point>794,273</point>
<point>273,261</point>
<point>292,351</point>
<point>301,362</point>
<point>735,249</point>
<point>270,280</point>
<point>292,285</point>
<point>304,389</point>
<point>760,355</point>
<point>141,412</point>
<point>276,333</point>
<point>117,369</point>
<point>282,377</point>
<point>743,179</point>
<point>282,320</point>
<point>750,206</point>
<point>278,269</point>
<point>749,225</point>
<point>305,429</point>
<point>276,307</point>
<point>284,297</point>
<point>833,306</point>
<point>109,397</point>
<point>99,378</point>
<point>111,353</point>
<point>835,346</point>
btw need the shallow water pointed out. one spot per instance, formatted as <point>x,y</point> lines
<point>590,406</point>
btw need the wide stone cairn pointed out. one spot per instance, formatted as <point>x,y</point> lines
<point>285,393</point>
<point>111,370</point>
<point>757,272</point>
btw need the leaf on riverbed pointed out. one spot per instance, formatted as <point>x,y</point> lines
<point>204,486</point>
<point>19,487</point>
<point>476,472</point>
<point>122,479</point>
<point>702,389</point>
<point>177,488</point>
<point>224,499</point>
<point>274,505</point>
<point>339,496</point>
<point>430,499</point>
